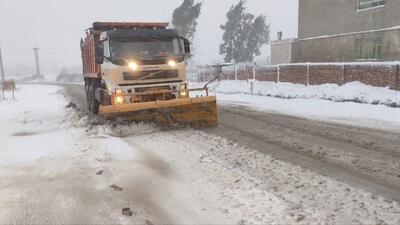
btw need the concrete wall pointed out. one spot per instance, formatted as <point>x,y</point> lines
<point>342,48</point>
<point>328,30</point>
<point>329,17</point>
<point>282,51</point>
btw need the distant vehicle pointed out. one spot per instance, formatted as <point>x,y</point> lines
<point>138,70</point>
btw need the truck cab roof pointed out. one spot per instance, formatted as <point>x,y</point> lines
<point>104,26</point>
<point>141,34</point>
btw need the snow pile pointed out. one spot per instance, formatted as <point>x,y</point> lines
<point>350,92</point>
<point>75,118</point>
<point>113,129</point>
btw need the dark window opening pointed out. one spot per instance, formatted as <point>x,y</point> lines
<point>366,4</point>
<point>368,49</point>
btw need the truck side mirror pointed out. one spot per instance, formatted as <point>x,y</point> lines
<point>186,44</point>
<point>99,54</point>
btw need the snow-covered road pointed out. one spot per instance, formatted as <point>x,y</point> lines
<point>57,168</point>
<point>58,165</point>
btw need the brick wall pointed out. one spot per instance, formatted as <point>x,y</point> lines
<point>376,74</point>
<point>245,73</point>
<point>267,73</point>
<point>380,76</point>
<point>325,74</point>
<point>293,74</point>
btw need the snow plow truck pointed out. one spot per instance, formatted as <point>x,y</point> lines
<point>137,71</point>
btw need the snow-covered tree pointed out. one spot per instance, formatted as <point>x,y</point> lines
<point>184,18</point>
<point>258,36</point>
<point>244,34</point>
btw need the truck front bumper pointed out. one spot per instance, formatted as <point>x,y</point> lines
<point>195,112</point>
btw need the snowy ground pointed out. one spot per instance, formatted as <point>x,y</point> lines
<point>50,155</point>
<point>353,103</point>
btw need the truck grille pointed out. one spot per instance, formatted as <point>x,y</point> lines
<point>153,89</point>
<point>149,94</point>
<point>147,75</point>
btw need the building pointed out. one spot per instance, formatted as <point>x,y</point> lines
<point>282,51</point>
<point>343,31</point>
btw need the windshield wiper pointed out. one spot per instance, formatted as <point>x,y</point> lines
<point>158,57</point>
<point>140,58</point>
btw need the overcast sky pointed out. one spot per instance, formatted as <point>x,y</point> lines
<point>56,26</point>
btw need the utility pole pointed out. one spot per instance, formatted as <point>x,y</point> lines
<point>1,66</point>
<point>36,50</point>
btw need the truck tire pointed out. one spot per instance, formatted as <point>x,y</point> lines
<point>87,94</point>
<point>93,103</point>
<point>106,99</point>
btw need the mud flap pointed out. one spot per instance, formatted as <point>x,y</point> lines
<point>194,112</point>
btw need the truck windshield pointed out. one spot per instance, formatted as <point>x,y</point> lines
<point>145,49</point>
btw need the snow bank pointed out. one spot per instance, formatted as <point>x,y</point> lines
<point>31,126</point>
<point>350,92</point>
<point>375,116</point>
<point>328,102</point>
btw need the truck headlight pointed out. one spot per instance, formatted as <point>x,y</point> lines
<point>133,66</point>
<point>119,99</point>
<point>183,91</point>
<point>183,94</point>
<point>172,63</point>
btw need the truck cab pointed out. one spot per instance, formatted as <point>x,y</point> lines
<point>143,61</point>
<point>132,63</point>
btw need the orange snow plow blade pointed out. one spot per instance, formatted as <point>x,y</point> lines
<point>198,112</point>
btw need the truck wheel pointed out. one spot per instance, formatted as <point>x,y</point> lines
<point>93,103</point>
<point>106,99</point>
<point>87,94</point>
